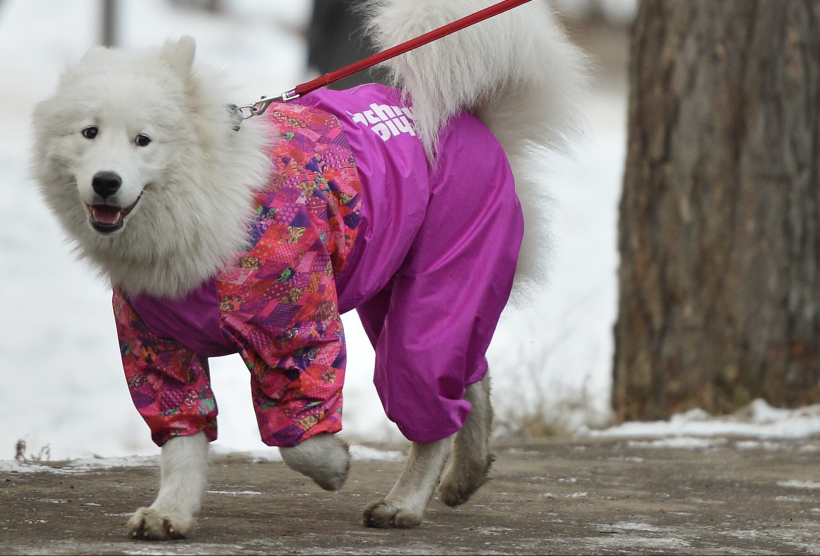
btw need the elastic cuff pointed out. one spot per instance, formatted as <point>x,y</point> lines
<point>161,437</point>
<point>296,433</point>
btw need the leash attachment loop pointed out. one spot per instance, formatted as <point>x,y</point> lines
<point>246,111</point>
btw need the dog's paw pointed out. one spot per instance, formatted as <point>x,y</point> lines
<point>153,525</point>
<point>384,514</point>
<point>325,458</point>
<point>462,481</point>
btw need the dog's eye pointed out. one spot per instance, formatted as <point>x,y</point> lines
<point>142,140</point>
<point>91,132</point>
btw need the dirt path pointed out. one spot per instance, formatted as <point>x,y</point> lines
<point>562,496</point>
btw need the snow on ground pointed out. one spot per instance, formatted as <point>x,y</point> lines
<point>93,462</point>
<point>59,363</point>
<point>97,463</point>
<point>79,465</point>
<point>357,453</point>
<point>799,484</point>
<point>756,428</point>
<point>697,429</point>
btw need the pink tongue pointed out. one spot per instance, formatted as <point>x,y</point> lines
<point>105,214</point>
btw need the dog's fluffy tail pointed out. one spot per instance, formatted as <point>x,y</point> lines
<point>517,72</point>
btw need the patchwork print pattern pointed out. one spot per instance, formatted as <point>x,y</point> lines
<point>278,301</point>
<point>169,384</point>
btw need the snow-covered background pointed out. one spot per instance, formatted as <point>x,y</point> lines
<point>61,380</point>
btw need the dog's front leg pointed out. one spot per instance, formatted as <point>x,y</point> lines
<point>325,458</point>
<point>183,483</point>
<point>404,506</point>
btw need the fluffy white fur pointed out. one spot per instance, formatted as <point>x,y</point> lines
<point>182,486</point>
<point>197,177</point>
<point>193,185</point>
<point>324,458</point>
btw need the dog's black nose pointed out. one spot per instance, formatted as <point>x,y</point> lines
<point>106,184</point>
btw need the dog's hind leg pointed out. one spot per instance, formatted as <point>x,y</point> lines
<point>471,455</point>
<point>404,506</point>
<point>324,458</point>
<point>183,483</point>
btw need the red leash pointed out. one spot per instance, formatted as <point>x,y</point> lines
<point>412,44</point>
<point>328,78</point>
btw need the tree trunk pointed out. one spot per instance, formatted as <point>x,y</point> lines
<point>719,228</point>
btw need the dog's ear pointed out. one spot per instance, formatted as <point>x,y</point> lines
<point>180,55</point>
<point>94,53</point>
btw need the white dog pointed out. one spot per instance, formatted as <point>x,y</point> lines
<point>225,239</point>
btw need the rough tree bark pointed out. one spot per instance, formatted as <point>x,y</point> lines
<point>719,228</point>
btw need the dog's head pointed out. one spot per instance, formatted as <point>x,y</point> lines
<point>138,156</point>
<point>111,131</point>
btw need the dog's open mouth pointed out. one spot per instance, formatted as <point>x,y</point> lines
<point>107,219</point>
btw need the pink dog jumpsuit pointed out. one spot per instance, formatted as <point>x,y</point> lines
<point>354,217</point>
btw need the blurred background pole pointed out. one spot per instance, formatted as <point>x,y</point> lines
<point>336,39</point>
<point>109,23</point>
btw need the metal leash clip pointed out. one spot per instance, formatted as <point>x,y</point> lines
<point>247,111</point>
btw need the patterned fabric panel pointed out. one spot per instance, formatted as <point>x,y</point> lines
<point>169,384</point>
<point>278,300</point>
<point>281,294</point>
